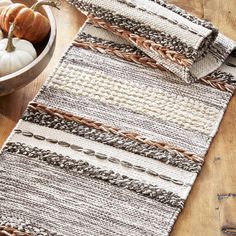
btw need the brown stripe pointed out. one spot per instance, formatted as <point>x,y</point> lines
<point>133,57</point>
<point>147,61</point>
<point>109,129</point>
<point>111,139</point>
<point>217,83</point>
<point>8,231</point>
<point>139,41</point>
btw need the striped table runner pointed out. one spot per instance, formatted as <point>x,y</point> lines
<point>113,142</point>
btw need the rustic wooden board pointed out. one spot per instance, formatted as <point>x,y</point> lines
<point>211,207</point>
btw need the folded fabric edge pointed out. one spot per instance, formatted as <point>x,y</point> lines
<point>222,78</point>
<point>187,70</point>
<point>219,55</point>
<point>175,57</point>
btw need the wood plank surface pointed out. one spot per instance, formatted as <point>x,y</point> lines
<point>211,207</point>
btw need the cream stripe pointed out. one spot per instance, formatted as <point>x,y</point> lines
<point>149,77</point>
<point>158,130</point>
<point>155,102</point>
<point>205,66</point>
<point>150,20</point>
<point>161,168</point>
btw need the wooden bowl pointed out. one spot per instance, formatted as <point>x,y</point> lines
<point>45,49</point>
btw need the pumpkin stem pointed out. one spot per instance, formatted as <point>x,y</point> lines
<point>40,3</point>
<point>10,47</point>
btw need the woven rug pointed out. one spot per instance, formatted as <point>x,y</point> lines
<point>113,142</point>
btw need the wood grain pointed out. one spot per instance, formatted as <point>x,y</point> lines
<point>204,214</point>
<point>211,207</point>
<point>12,106</point>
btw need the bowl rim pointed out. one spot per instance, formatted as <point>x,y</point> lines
<point>45,51</point>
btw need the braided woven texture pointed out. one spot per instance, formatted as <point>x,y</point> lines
<point>133,57</point>
<point>182,44</point>
<point>143,43</point>
<point>113,142</point>
<point>7,231</point>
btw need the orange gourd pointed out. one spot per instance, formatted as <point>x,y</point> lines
<point>30,24</point>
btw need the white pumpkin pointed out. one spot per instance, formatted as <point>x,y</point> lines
<point>4,3</point>
<point>15,54</point>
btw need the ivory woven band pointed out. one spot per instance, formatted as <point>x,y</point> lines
<point>113,142</point>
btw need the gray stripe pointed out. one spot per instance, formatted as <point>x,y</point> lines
<point>76,204</point>
<point>82,167</point>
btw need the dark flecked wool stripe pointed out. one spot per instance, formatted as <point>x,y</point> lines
<point>185,14</point>
<point>83,167</point>
<point>52,121</point>
<point>101,156</point>
<point>138,28</point>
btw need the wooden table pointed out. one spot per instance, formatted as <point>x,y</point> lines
<point>211,206</point>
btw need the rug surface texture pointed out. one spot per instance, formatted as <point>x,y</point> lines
<point>115,139</point>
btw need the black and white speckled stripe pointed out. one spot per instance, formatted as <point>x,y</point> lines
<point>23,226</point>
<point>117,141</point>
<point>224,77</point>
<point>185,14</point>
<point>83,167</point>
<point>172,42</point>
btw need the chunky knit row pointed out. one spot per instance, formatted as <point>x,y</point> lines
<point>15,226</point>
<point>138,28</point>
<point>166,156</point>
<point>82,167</point>
<point>135,97</point>
<point>217,79</point>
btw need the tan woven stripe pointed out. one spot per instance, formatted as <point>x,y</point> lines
<point>142,42</point>
<point>100,126</point>
<point>147,61</point>
<point>133,57</point>
<point>217,83</point>
<point>8,231</point>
